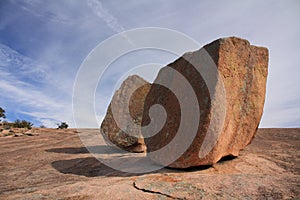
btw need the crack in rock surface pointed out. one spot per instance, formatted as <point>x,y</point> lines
<point>153,192</point>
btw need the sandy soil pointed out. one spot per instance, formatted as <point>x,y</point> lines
<point>55,165</point>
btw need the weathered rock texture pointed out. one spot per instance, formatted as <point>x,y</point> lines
<point>110,129</point>
<point>243,69</point>
<point>58,166</point>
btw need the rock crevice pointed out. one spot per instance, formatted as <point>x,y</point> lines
<point>154,192</point>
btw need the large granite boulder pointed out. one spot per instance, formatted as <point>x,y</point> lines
<point>229,103</point>
<point>121,125</point>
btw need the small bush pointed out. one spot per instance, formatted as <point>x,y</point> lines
<point>2,113</point>
<point>7,125</point>
<point>62,125</point>
<point>22,124</point>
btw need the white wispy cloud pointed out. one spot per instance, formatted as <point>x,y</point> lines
<point>36,8</point>
<point>19,92</point>
<point>105,15</point>
<point>18,64</point>
<point>24,83</point>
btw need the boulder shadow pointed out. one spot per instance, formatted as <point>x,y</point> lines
<point>190,169</point>
<point>100,149</point>
<point>91,167</point>
<point>226,158</point>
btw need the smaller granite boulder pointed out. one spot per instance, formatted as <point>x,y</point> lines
<point>122,123</point>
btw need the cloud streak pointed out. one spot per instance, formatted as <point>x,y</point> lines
<point>105,15</point>
<point>24,83</point>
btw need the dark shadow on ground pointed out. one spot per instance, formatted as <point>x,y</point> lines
<point>91,167</point>
<point>100,149</point>
<point>227,158</point>
<point>190,169</point>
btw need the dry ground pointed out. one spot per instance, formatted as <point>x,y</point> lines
<point>55,165</point>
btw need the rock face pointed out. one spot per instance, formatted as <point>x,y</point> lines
<point>230,103</point>
<point>126,107</point>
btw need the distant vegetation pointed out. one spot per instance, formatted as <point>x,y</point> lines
<point>2,113</point>
<point>17,124</point>
<point>22,124</point>
<point>62,125</point>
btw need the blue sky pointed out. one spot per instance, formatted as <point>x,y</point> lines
<point>43,43</point>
